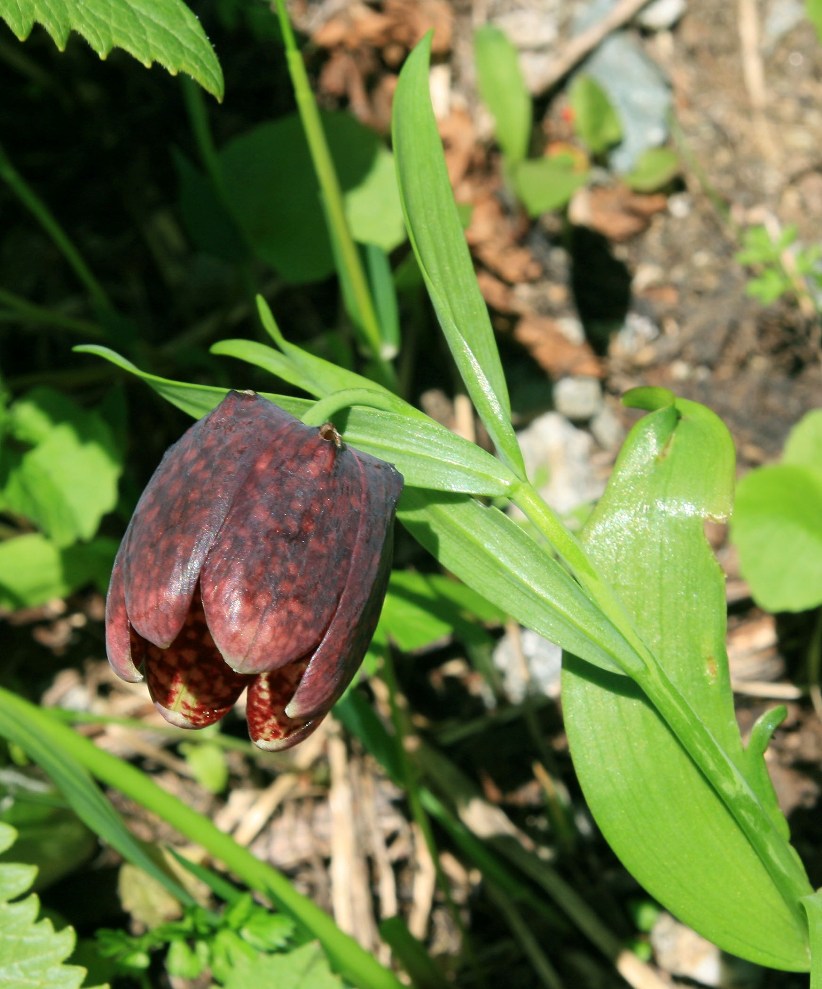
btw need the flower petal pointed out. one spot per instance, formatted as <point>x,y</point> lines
<point>273,579</point>
<point>189,683</point>
<point>268,725</point>
<point>339,654</point>
<point>185,504</point>
<point>118,627</point>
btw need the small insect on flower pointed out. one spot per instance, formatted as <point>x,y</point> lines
<point>257,557</point>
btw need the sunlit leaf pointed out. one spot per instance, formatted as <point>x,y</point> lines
<point>163,31</point>
<point>655,807</point>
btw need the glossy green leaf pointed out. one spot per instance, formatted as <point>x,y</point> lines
<point>503,90</point>
<point>777,528</point>
<point>439,244</point>
<point>426,453</point>
<point>499,560</point>
<point>163,31</point>
<point>722,866</point>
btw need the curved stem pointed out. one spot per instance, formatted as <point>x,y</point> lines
<point>371,398</point>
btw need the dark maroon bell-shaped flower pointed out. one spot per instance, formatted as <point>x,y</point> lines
<point>257,557</point>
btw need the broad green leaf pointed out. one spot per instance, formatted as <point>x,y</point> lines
<point>499,560</point>
<point>545,184</point>
<point>273,193</point>
<point>22,727</point>
<point>777,528</point>
<point>655,169</point>
<point>67,481</point>
<point>33,570</point>
<point>163,31</point>
<point>595,119</point>
<point>804,444</point>
<point>655,807</point>
<point>426,454</point>
<point>437,239</point>
<point>503,90</point>
<point>421,609</point>
<point>305,967</point>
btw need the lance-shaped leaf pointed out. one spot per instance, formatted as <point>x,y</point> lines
<point>719,867</point>
<point>439,245</point>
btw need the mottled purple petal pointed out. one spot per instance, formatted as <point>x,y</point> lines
<point>268,725</point>
<point>184,506</point>
<point>273,579</point>
<point>118,627</point>
<point>339,654</point>
<point>189,682</point>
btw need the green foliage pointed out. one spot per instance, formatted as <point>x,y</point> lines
<point>657,810</point>
<point>595,120</point>
<point>773,279</point>
<point>813,11</point>
<point>656,168</point>
<point>32,953</point>
<point>777,523</point>
<point>50,836</point>
<point>243,935</point>
<point>548,183</point>
<point>502,88</point>
<point>163,31</point>
<point>59,469</point>
<point>271,191</point>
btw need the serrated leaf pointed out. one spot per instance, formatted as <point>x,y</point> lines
<point>163,31</point>
<point>32,953</point>
<point>656,809</point>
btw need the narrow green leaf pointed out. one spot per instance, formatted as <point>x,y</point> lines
<point>498,559</point>
<point>427,454</point>
<point>25,727</point>
<point>503,90</point>
<point>813,909</point>
<point>163,31</point>
<point>437,239</point>
<point>717,862</point>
